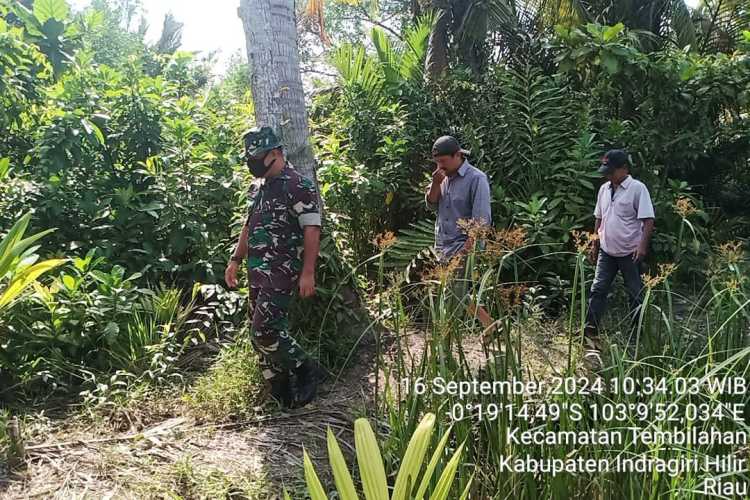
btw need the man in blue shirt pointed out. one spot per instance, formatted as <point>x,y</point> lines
<point>458,191</point>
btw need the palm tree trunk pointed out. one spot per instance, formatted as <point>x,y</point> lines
<point>436,61</point>
<point>275,79</point>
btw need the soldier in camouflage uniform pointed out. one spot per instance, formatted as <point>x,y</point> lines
<point>281,240</point>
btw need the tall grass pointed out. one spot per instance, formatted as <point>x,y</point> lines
<point>231,387</point>
<point>709,342</point>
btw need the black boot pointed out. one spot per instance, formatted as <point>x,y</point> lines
<point>281,390</point>
<point>309,375</point>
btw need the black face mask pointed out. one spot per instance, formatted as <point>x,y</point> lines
<point>258,167</point>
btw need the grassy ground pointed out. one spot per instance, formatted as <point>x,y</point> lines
<point>212,438</point>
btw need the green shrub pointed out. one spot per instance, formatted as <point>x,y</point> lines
<point>137,159</point>
<point>19,269</point>
<point>538,133</point>
<point>95,319</point>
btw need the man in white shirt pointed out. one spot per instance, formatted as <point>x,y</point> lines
<point>624,221</point>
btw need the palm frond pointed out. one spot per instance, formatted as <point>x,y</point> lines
<point>416,38</point>
<point>505,18</point>
<point>553,12</point>
<point>721,23</point>
<point>473,22</point>
<point>413,245</point>
<point>535,119</point>
<point>355,66</point>
<point>681,24</point>
<point>171,35</point>
<point>389,56</point>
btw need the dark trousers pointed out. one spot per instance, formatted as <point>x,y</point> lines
<point>607,267</point>
<point>268,312</point>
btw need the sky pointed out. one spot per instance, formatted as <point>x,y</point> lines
<point>208,25</point>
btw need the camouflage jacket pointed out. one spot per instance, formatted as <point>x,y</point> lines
<point>280,207</point>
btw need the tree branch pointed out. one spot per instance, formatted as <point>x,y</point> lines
<point>365,16</point>
<point>317,72</point>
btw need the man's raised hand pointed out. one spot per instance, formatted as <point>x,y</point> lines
<point>438,175</point>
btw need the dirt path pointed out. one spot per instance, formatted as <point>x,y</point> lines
<point>179,457</point>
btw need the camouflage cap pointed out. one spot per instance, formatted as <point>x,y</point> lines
<point>260,140</point>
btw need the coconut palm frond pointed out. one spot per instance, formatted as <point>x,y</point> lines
<point>721,23</point>
<point>416,39</point>
<point>681,23</point>
<point>171,35</point>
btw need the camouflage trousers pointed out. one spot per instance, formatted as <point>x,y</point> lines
<point>268,314</point>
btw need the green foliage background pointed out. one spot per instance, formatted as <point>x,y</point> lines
<point>537,125</point>
<point>126,155</point>
<point>131,151</point>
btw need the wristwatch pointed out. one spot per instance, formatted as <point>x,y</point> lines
<point>236,258</point>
